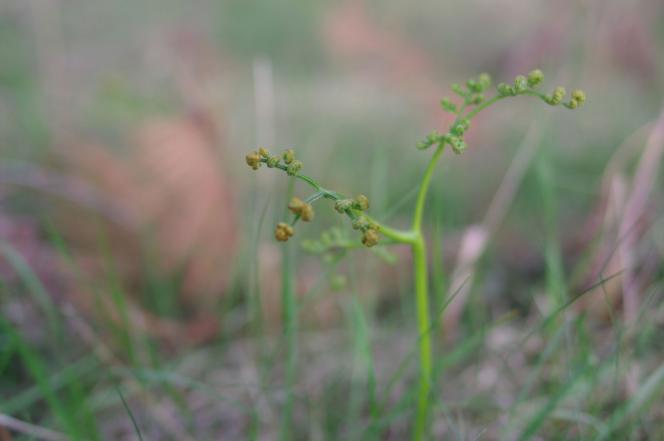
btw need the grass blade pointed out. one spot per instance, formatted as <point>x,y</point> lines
<point>130,413</point>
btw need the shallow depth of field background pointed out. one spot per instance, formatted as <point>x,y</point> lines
<point>139,279</point>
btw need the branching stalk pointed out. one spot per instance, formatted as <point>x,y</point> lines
<point>355,209</point>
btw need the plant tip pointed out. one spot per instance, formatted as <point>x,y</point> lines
<point>253,160</point>
<point>283,232</point>
<point>579,96</point>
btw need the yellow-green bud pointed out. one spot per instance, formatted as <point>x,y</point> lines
<point>307,213</point>
<point>579,96</point>
<point>535,78</point>
<point>272,161</point>
<point>557,96</point>
<point>289,156</point>
<point>476,98</point>
<point>253,160</point>
<point>473,85</point>
<point>360,223</point>
<point>283,232</point>
<point>458,145</point>
<point>370,238</point>
<point>572,104</point>
<point>343,205</point>
<point>484,81</point>
<point>294,167</point>
<point>431,139</point>
<point>448,105</point>
<point>295,205</point>
<point>461,127</point>
<point>263,152</point>
<point>456,88</point>
<point>520,84</point>
<point>505,89</point>
<point>361,202</point>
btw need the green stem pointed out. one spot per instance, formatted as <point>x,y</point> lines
<point>419,250</point>
<point>496,98</point>
<point>418,247</point>
<point>424,342</point>
<point>424,188</point>
<point>484,105</point>
<point>304,178</point>
<point>398,236</point>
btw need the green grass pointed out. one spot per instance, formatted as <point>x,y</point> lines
<point>569,388</point>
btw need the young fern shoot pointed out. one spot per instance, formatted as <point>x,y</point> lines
<point>472,101</point>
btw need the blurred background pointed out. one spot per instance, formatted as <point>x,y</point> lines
<point>139,280</point>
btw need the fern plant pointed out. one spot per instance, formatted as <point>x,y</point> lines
<point>472,99</point>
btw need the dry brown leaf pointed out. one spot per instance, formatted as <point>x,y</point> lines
<point>172,183</point>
